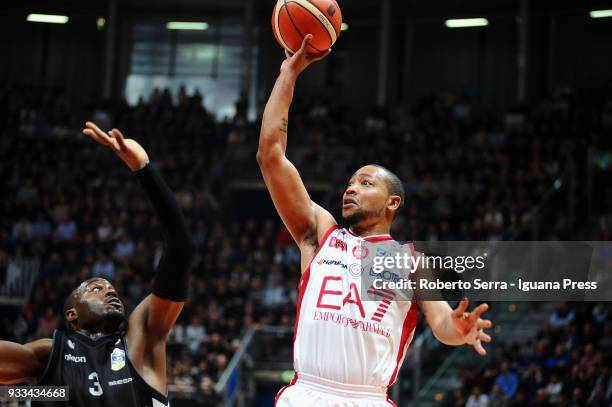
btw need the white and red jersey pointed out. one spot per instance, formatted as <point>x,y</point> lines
<point>340,335</point>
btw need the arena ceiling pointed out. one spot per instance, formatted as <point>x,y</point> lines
<point>360,8</point>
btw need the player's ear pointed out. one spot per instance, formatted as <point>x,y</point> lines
<point>71,314</point>
<point>394,202</point>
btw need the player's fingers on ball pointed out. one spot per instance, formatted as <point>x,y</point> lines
<point>305,43</point>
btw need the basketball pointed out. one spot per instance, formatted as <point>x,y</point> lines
<point>292,20</point>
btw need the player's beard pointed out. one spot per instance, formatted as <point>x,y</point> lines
<point>359,216</point>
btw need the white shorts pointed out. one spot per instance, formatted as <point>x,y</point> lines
<point>307,391</point>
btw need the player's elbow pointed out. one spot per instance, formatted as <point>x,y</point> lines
<point>268,155</point>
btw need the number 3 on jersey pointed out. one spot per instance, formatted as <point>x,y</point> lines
<point>96,390</point>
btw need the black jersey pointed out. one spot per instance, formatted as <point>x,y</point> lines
<point>98,372</point>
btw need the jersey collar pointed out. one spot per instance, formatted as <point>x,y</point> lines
<point>372,238</point>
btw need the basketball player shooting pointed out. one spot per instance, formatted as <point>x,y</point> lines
<point>352,363</point>
<point>104,359</point>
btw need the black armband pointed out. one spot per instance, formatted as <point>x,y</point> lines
<point>172,276</point>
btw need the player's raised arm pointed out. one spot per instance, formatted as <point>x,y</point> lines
<point>305,220</point>
<point>157,313</point>
<point>21,363</point>
<point>152,320</point>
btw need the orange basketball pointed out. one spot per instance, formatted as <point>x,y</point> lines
<point>292,20</point>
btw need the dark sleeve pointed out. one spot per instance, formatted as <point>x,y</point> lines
<point>172,276</point>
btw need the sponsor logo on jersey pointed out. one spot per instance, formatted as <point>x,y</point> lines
<point>120,381</point>
<point>75,359</point>
<point>360,252</point>
<point>381,252</point>
<point>332,263</point>
<point>70,344</point>
<point>337,244</point>
<point>355,269</point>
<point>117,359</point>
<point>385,275</point>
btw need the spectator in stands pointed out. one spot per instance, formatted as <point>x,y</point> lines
<point>507,381</point>
<point>104,268</point>
<point>497,397</point>
<point>553,388</point>
<point>541,399</point>
<point>477,398</point>
<point>558,360</point>
<point>66,230</point>
<point>590,358</point>
<point>124,249</point>
<point>194,333</point>
<point>562,316</point>
<point>47,324</point>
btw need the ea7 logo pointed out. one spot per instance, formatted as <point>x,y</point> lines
<point>337,244</point>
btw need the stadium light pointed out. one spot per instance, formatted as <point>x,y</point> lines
<point>186,25</point>
<point>344,27</point>
<point>47,18</point>
<point>466,22</point>
<point>100,22</point>
<point>600,13</point>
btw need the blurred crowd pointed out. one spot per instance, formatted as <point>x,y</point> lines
<point>470,174</point>
<point>567,365</point>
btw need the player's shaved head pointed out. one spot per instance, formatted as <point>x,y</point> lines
<point>394,184</point>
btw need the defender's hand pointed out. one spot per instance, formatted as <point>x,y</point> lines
<point>296,63</point>
<point>128,150</point>
<point>470,325</point>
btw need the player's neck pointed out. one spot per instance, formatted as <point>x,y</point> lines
<point>92,335</point>
<point>370,230</point>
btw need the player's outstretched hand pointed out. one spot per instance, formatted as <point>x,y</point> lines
<point>296,63</point>
<point>471,326</point>
<point>128,150</point>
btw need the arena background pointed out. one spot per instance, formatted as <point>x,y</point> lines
<point>498,132</point>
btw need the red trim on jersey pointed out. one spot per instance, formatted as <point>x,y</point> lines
<point>391,401</point>
<point>280,392</point>
<point>325,236</point>
<point>408,327</point>
<point>375,238</point>
<point>387,297</point>
<point>304,281</point>
<point>301,290</point>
